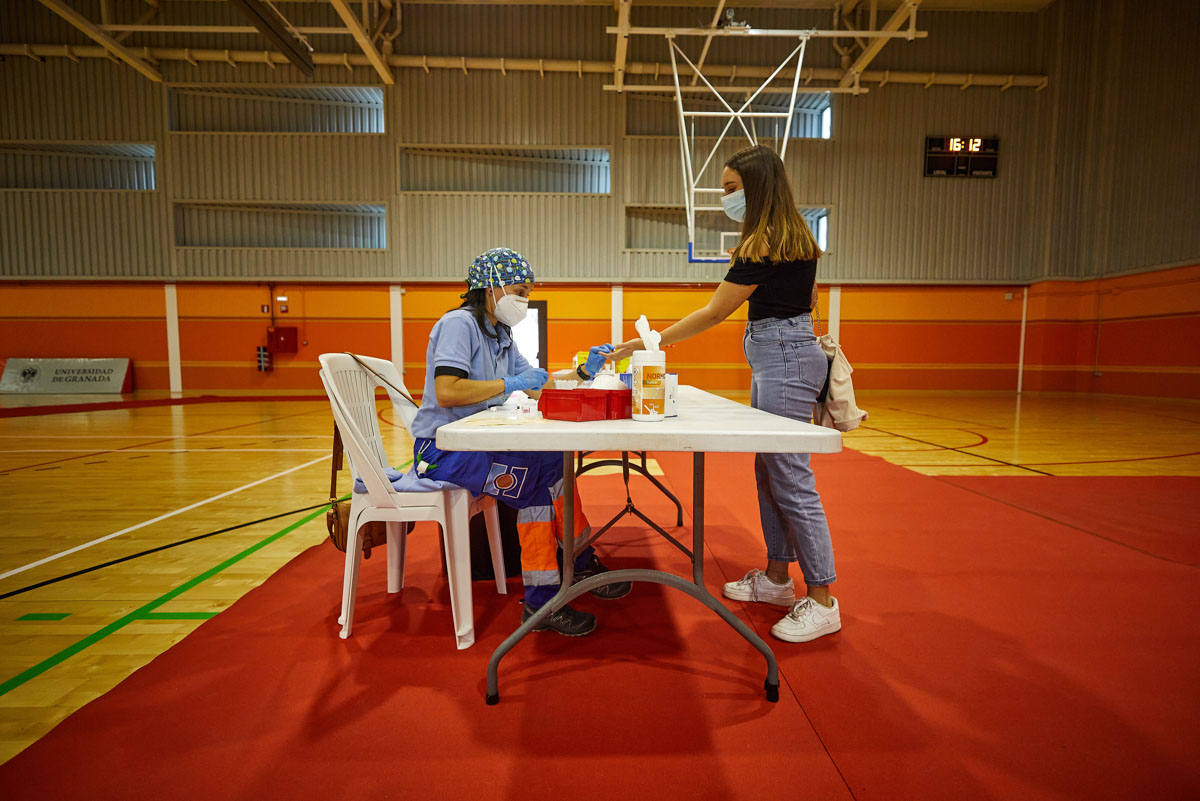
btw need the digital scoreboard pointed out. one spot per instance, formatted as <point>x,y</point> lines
<point>961,156</point>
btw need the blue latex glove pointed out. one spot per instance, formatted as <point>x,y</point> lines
<point>534,378</point>
<point>595,359</point>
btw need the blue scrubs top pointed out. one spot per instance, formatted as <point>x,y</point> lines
<point>456,341</point>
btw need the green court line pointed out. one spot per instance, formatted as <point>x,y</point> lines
<point>178,615</point>
<point>45,616</point>
<point>144,612</point>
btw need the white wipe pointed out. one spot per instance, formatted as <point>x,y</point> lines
<point>649,338</point>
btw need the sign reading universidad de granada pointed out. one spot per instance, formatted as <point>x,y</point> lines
<point>67,376</point>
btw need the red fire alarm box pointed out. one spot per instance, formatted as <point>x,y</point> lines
<point>283,339</point>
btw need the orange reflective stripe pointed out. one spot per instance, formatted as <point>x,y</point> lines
<point>581,518</point>
<point>539,546</point>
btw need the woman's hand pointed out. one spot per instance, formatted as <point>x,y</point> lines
<point>625,350</point>
<point>724,302</point>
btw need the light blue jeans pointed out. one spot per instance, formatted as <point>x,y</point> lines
<point>789,370</point>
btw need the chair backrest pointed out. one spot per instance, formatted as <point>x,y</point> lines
<point>358,446</point>
<point>402,407</point>
<point>354,389</point>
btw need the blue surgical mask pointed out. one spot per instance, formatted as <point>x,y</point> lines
<point>735,205</point>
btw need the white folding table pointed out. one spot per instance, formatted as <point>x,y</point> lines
<point>706,423</point>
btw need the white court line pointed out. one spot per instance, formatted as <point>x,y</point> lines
<point>143,524</point>
<point>216,449</point>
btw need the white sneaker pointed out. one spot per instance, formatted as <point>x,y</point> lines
<point>808,620</point>
<point>755,586</point>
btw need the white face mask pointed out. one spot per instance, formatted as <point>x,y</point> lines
<point>511,309</point>
<point>735,205</point>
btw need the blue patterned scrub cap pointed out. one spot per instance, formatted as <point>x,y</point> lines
<point>498,267</point>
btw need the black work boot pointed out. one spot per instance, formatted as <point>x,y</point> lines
<point>617,589</point>
<point>567,621</point>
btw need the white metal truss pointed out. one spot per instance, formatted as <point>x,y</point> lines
<point>695,195</point>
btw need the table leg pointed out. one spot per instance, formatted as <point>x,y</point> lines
<point>568,591</point>
<point>771,684</point>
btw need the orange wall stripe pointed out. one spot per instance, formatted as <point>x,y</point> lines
<point>119,301</point>
<point>936,337</point>
<point>303,301</point>
<point>929,304</point>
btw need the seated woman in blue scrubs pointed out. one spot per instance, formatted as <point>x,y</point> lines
<point>471,363</point>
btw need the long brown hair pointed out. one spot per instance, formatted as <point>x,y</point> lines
<point>475,301</point>
<point>773,224</point>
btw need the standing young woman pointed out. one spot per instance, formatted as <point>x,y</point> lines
<point>774,267</point>
<point>471,363</point>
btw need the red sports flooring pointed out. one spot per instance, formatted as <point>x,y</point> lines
<point>1002,639</point>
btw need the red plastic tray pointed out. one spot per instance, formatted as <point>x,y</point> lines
<point>620,403</point>
<point>580,405</point>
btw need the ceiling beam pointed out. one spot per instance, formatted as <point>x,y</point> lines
<point>212,29</point>
<point>40,52</point>
<point>278,31</point>
<point>364,41</point>
<point>103,39</point>
<point>708,42</point>
<point>622,43</point>
<point>898,18</point>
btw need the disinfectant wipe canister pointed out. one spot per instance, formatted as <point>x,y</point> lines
<point>649,369</point>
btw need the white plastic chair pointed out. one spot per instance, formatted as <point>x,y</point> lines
<point>351,392</point>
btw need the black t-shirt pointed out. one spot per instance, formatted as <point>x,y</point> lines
<point>784,287</point>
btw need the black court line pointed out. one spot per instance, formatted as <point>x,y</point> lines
<point>149,551</point>
<point>941,417</point>
<point>960,450</point>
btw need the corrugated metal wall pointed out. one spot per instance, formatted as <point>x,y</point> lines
<point>281,263</point>
<point>889,222</point>
<point>60,234</point>
<point>311,226</point>
<point>449,169</point>
<point>1156,165</point>
<point>985,42</point>
<point>94,100</point>
<point>285,167</point>
<point>487,108</point>
<point>1078,192</point>
<point>650,228</point>
<point>1124,192</point>
<point>565,237</point>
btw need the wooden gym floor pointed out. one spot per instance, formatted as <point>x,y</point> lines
<point>89,488</point>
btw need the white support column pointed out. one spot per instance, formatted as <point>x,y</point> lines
<point>835,312</point>
<point>174,365</point>
<point>617,331</point>
<point>1021,352</point>
<point>396,294</point>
